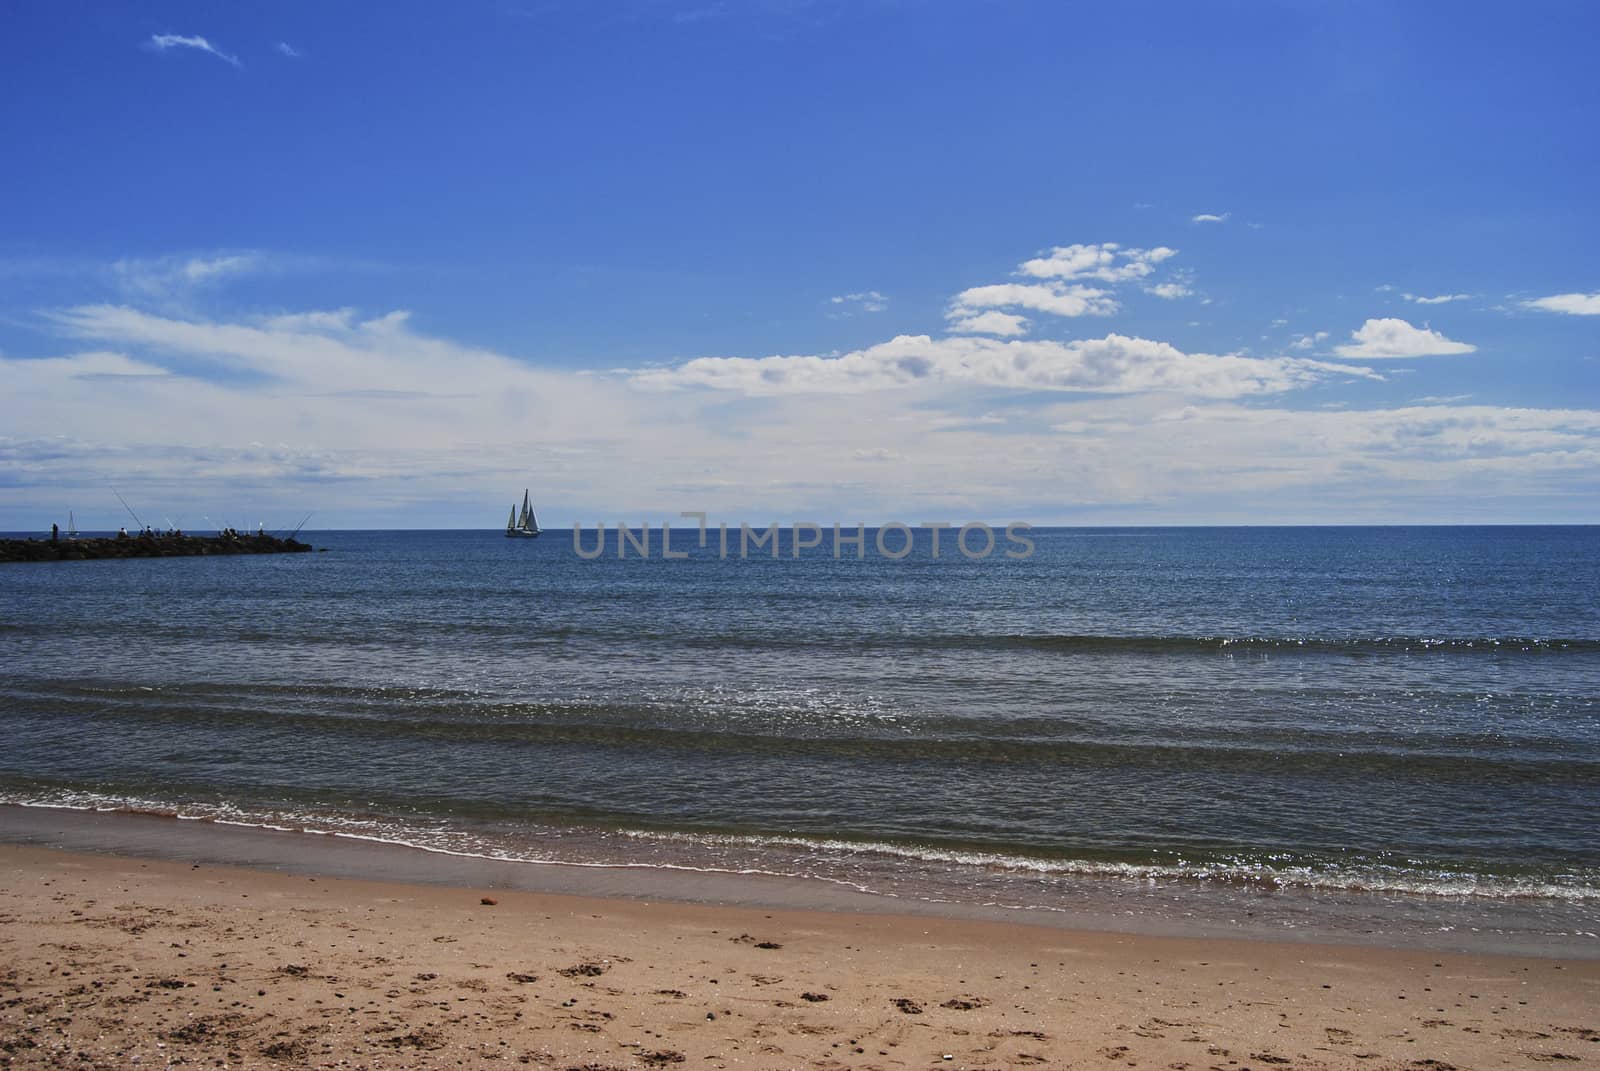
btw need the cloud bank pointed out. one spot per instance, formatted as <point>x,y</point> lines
<point>1115,364</point>
<point>372,421</point>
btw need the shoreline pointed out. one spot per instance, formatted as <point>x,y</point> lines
<point>117,961</point>
<point>1114,906</point>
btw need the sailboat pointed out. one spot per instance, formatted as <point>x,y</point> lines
<point>525,526</point>
<point>72,526</point>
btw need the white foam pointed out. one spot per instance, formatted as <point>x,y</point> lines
<point>827,853</point>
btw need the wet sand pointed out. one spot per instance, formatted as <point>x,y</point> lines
<point>109,961</point>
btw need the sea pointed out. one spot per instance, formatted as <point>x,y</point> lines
<point>1387,734</point>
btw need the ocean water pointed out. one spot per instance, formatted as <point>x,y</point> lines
<point>1356,730</point>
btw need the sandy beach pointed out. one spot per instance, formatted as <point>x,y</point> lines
<point>115,962</point>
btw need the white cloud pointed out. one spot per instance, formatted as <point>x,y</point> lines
<point>1114,364</point>
<point>317,351</point>
<point>1064,271</point>
<point>164,42</point>
<point>865,301</point>
<point>335,398</point>
<point>1391,337</point>
<point>1054,299</point>
<point>1169,291</point>
<point>1307,342</point>
<point>1571,304</point>
<point>1005,324</point>
<point>286,49</point>
<point>1108,262</point>
<point>1442,299</point>
<point>199,269</point>
<point>166,277</point>
<point>1394,437</point>
<point>93,365</point>
<point>1210,217</point>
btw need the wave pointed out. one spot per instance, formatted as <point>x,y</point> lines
<point>1222,643</point>
<point>1346,877</point>
<point>420,630</point>
<point>872,866</point>
<point>1033,743</point>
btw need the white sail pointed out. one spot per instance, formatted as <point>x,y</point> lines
<point>524,524</point>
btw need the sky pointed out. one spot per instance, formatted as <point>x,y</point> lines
<point>779,260</point>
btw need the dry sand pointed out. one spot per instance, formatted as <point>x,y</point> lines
<point>109,962</point>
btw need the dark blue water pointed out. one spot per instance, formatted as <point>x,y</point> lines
<point>1389,712</point>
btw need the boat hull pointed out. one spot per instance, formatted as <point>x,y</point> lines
<point>520,533</point>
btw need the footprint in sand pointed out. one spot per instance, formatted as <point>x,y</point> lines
<point>584,970</point>
<point>746,939</point>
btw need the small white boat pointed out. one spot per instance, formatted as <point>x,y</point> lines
<point>525,526</point>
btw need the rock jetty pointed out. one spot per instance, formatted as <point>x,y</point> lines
<point>145,545</point>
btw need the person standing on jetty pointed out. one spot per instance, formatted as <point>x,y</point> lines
<point>55,533</point>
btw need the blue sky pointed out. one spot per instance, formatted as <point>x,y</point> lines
<point>1112,263</point>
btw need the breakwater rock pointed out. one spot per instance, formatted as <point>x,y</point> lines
<point>145,546</point>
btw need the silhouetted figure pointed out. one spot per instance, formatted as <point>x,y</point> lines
<point>55,533</point>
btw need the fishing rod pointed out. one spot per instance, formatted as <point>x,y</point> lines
<point>299,526</point>
<point>129,508</point>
